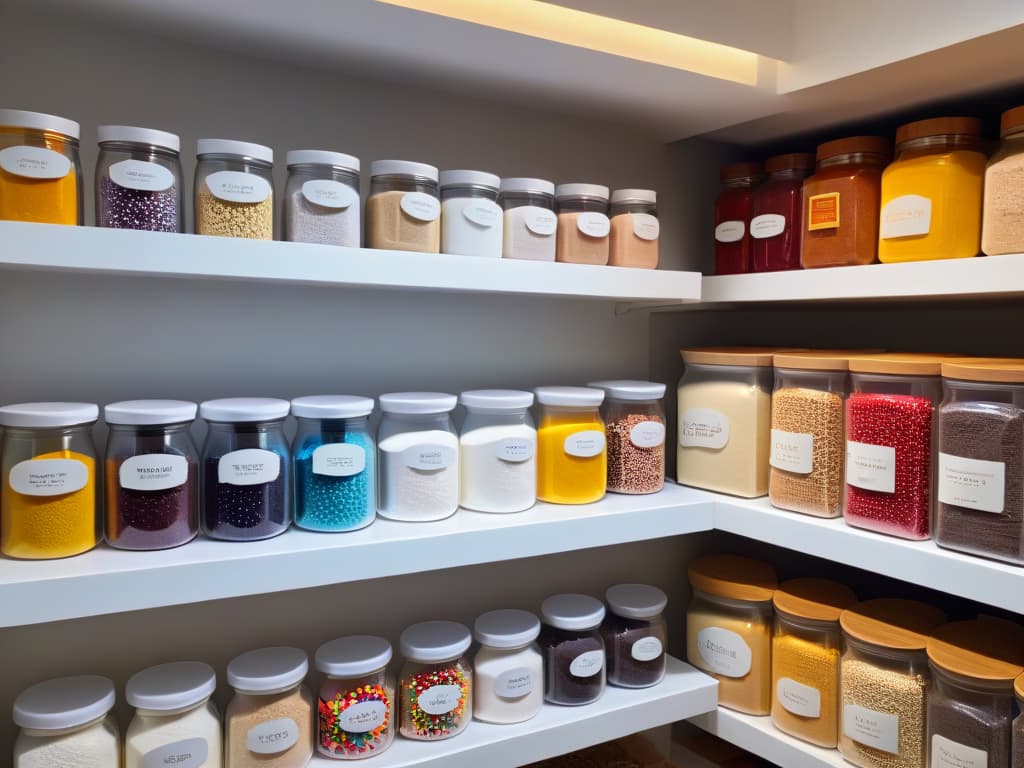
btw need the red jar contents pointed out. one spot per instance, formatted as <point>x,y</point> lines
<point>777,222</point>
<point>733,211</point>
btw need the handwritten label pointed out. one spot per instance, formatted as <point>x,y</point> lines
<point>767,225</point>
<point>48,477</point>
<point>483,213</point>
<point>730,231</point>
<point>646,649</point>
<point>586,444</point>
<point>187,753</point>
<point>514,684</point>
<point>249,466</point>
<point>587,664</point>
<point>724,652</point>
<point>647,434</point>
<point>429,456</point>
<point>141,175</point>
<point>540,221</point>
<point>363,717</point>
<point>153,472</point>
<point>871,467</point>
<point>421,206</point>
<point>703,428</point>
<point>802,700</point>
<point>273,736</point>
<point>238,187</point>
<point>514,449</point>
<point>905,216</point>
<point>871,728</point>
<point>972,483</point>
<point>947,753</point>
<point>792,451</point>
<point>646,226</point>
<point>338,460</point>
<point>440,699</point>
<point>593,224</point>
<point>328,193</point>
<point>34,162</point>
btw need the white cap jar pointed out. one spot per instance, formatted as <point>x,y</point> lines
<point>497,449</point>
<point>403,212</point>
<point>234,189</point>
<point>321,199</point>
<point>508,668</point>
<point>583,224</point>
<point>572,454</point>
<point>40,171</point>
<point>471,220</point>
<point>634,229</point>
<point>530,221</point>
<point>436,680</point>
<point>138,179</point>
<point>634,421</point>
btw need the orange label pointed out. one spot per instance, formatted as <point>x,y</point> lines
<point>823,211</point>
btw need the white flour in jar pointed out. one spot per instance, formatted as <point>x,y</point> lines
<point>499,468</point>
<point>419,475</point>
<point>95,746</point>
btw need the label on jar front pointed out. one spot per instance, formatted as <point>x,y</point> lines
<point>338,460</point>
<point>587,664</point>
<point>328,193</point>
<point>972,483</point>
<point>440,699</point>
<point>586,444</point>
<point>871,467</point>
<point>48,477</point>
<point>724,652</point>
<point>421,206</point>
<point>187,753</point>
<point>792,451</point>
<point>238,187</point>
<point>703,428</point>
<point>646,649</point>
<point>872,729</point>
<point>593,224</point>
<point>249,466</point>
<point>429,456</point>
<point>141,175</point>
<point>802,700</point>
<point>363,717</point>
<point>905,216</point>
<point>823,211</point>
<point>153,472</point>
<point>767,225</point>
<point>273,736</point>
<point>34,162</point>
<point>514,683</point>
<point>647,434</point>
<point>483,213</point>
<point>730,231</point>
<point>946,753</point>
<point>540,221</point>
<point>514,449</point>
<point>646,226</point>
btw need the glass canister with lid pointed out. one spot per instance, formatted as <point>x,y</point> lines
<point>403,212</point>
<point>583,224</point>
<point>436,680</point>
<point>471,219</point>
<point>572,456</point>
<point>1002,225</point>
<point>635,229</point>
<point>733,210</point>
<point>634,420</point>
<point>508,667</point>
<point>234,189</point>
<point>777,224</point>
<point>635,635</point>
<point>321,198</point>
<point>497,451</point>
<point>1018,725</point>
<point>573,649</point>
<point>530,221</point>
<point>40,171</point>
<point>138,179</point>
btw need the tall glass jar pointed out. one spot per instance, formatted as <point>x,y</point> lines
<point>234,189</point>
<point>471,219</point>
<point>530,220</point>
<point>138,179</point>
<point>403,212</point>
<point>50,491</point>
<point>573,649</point>
<point>508,667</point>
<point>635,635</point>
<point>635,229</point>
<point>634,421</point>
<point>497,451</point>
<point>733,210</point>
<point>572,454</point>
<point>321,199</point>
<point>40,172</point>
<point>436,680</point>
<point>583,224</point>
<point>776,228</point>
<point>1002,227</point>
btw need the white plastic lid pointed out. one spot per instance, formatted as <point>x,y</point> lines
<point>353,656</point>
<point>433,641</point>
<point>507,628</point>
<point>417,402</point>
<point>522,184</point>
<point>572,611</point>
<point>322,157</point>
<point>131,133</point>
<point>43,415</point>
<point>268,670</point>
<point>146,412</point>
<point>634,195</point>
<point>169,687</point>
<point>332,406</point>
<point>497,399</point>
<point>232,147</point>
<point>578,396</point>
<point>467,178</point>
<point>402,168</point>
<point>627,389</point>
<point>636,601</point>
<point>65,702</point>
<point>581,190</point>
<point>244,409</point>
<point>39,121</point>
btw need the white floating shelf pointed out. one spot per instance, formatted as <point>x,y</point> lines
<point>758,735</point>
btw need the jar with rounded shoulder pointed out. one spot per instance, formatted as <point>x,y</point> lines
<point>497,451</point>
<point>634,420</point>
<point>138,179</point>
<point>635,229</point>
<point>436,680</point>
<point>572,450</point>
<point>403,212</point>
<point>635,635</point>
<point>575,669</point>
<point>234,189</point>
<point>40,170</point>
<point>321,199</point>
<point>508,667</point>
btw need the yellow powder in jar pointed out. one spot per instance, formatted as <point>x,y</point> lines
<point>45,201</point>
<point>750,692</point>
<point>388,227</point>
<point>561,477</point>
<point>805,663</point>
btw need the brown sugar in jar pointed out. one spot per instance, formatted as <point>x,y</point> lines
<point>583,224</point>
<point>403,212</point>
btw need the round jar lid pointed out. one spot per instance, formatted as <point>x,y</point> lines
<point>332,406</point>
<point>753,357</point>
<point>734,577</point>
<point>1012,121</point>
<point>572,611</point>
<point>470,179</point>
<point>994,371</point>
<point>432,641</point>
<point>46,415</point>
<point>636,601</point>
<point>649,196</point>
<point>740,171</point>
<point>527,185</point>
<point>814,599</point>
<point>267,670</point>
<point>985,649</point>
<point>403,168</point>
<point>892,623</point>
<point>628,389</point>
<point>149,412</point>
<point>232,147</point>
<point>793,161</point>
<point>507,628</point>
<point>569,396</point>
<point>135,135</point>
<point>899,363</point>
<point>353,656</point>
<point>65,702</point>
<point>322,157</point>
<point>169,687</point>
<point>939,126</point>
<point>496,399</point>
<point>231,409</point>
<point>854,145</point>
<point>565,191</point>
<point>39,121</point>
<point>418,402</point>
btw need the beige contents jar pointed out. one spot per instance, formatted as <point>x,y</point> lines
<point>635,229</point>
<point>583,224</point>
<point>403,212</point>
<point>1002,228</point>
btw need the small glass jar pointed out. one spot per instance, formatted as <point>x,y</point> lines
<point>403,212</point>
<point>497,451</point>
<point>634,229</point>
<point>573,649</point>
<point>436,680</point>
<point>729,628</point>
<point>321,199</point>
<point>234,189</point>
<point>40,172</point>
<point>357,703</point>
<point>471,219</point>
<point>572,453</point>
<point>175,723</point>
<point>1001,226</point>
<point>530,221</point>
<point>50,493</point>
<point>418,451</point>
<point>246,462</point>
<point>334,463</point>
<point>634,421</point>
<point>734,208</point>
<point>508,668</point>
<point>583,224</point>
<point>777,224</point>
<point>67,721</point>
<point>1018,725</point>
<point>138,180</point>
<point>635,635</point>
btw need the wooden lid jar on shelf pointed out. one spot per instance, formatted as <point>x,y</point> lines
<point>892,623</point>
<point>813,599</point>
<point>733,577</point>
<point>989,651</point>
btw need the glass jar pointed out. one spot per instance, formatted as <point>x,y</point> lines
<point>50,495</point>
<point>357,698</point>
<point>175,723</point>
<point>635,635</point>
<point>138,180</point>
<point>234,189</point>
<point>530,221</point>
<point>418,451</point>
<point>778,213</point>
<point>152,474</point>
<point>583,224</point>
<point>932,192</point>
<point>436,680</point>
<point>508,667</point>
<point>573,649</point>
<point>40,173</point>
<point>1002,227</point>
<point>572,455</point>
<point>403,212</point>
<point>334,463</point>
<point>841,203</point>
<point>497,451</point>
<point>471,219</point>
<point>729,628</point>
<point>635,229</point>
<point>321,199</point>
<point>246,483</point>
<point>634,420</point>
<point>67,721</point>
<point>1018,725</point>
<point>805,658</point>
<point>733,210</point>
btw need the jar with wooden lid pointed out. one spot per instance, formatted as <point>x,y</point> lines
<point>1018,725</point>
<point>729,628</point>
<point>884,681</point>
<point>777,223</point>
<point>734,208</point>
<point>40,171</point>
<point>1002,223</point>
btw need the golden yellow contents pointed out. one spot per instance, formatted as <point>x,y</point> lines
<point>805,663</point>
<point>750,692</point>
<point>561,477</point>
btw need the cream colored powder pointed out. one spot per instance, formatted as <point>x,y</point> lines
<point>279,725</point>
<point>388,227</point>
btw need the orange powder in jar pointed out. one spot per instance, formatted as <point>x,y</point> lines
<point>40,175</point>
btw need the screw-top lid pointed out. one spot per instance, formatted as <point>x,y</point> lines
<point>149,412</point>
<point>629,389</point>
<point>46,415</point>
<point>231,409</point>
<point>268,670</point>
<point>909,364</point>
<point>169,687</point>
<point>854,145</point>
<point>814,599</point>
<point>322,157</point>
<point>332,406</point>
<point>903,625</point>
<point>470,178</point>
<point>496,399</point>
<point>403,168</point>
<point>985,649</point>
<point>65,702</point>
<point>39,121</point>
<point>939,126</point>
<point>1004,371</point>
<point>418,402</point>
<point>569,396</point>
<point>232,147</point>
<point>135,135</point>
<point>734,577</point>
<point>635,601</point>
<point>432,641</point>
<point>740,171</point>
<point>1012,121</point>
<point>353,656</point>
<point>634,196</point>
<point>572,611</point>
<point>753,357</point>
<point>792,161</point>
<point>507,628</point>
<point>565,191</point>
<point>527,185</point>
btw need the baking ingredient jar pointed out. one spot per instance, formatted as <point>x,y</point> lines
<point>67,721</point>
<point>635,635</point>
<point>583,224</point>
<point>1018,725</point>
<point>357,705</point>
<point>138,179</point>
<point>234,189</point>
<point>498,451</point>
<point>776,228</point>
<point>841,203</point>
<point>50,493</point>
<point>471,219</point>
<point>152,474</point>
<point>334,463</point>
<point>634,420</point>
<point>246,477</point>
<point>508,667</point>
<point>321,199</point>
<point>884,682</point>
<point>530,220</point>
<point>734,208</point>
<point>805,658</point>
<point>729,628</point>
<point>1002,224</point>
<point>635,229</point>
<point>572,456</point>
<point>573,649</point>
<point>436,680</point>
<point>403,212</point>
<point>40,172</point>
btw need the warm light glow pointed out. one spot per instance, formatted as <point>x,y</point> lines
<point>598,33</point>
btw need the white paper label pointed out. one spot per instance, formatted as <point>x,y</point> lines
<point>421,206</point>
<point>187,753</point>
<point>142,175</point>
<point>646,649</point>
<point>767,225</point>
<point>514,449</point>
<point>249,466</point>
<point>871,467</point>
<point>48,477</point>
<point>647,434</point>
<point>872,729</point>
<point>730,231</point>
<point>514,684</point>
<point>338,460</point>
<point>440,699</point>
<point>646,226</point>
<point>540,221</point>
<point>586,444</point>
<point>802,700</point>
<point>792,451</point>
<point>273,736</point>
<point>363,717</point>
<point>34,162</point>
<point>328,193</point>
<point>947,753</point>
<point>587,664</point>
<point>724,652</point>
<point>593,224</point>
<point>429,456</point>
<point>905,216</point>
<point>153,472</point>
<point>972,483</point>
<point>238,187</point>
<point>704,428</point>
<point>483,213</point>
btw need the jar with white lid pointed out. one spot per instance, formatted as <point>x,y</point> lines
<point>634,229</point>
<point>403,212</point>
<point>634,421</point>
<point>175,721</point>
<point>357,703</point>
<point>138,179</point>
<point>635,635</point>
<point>497,451</point>
<point>436,680</point>
<point>583,224</point>
<point>246,469</point>
<point>573,649</point>
<point>572,456</point>
<point>321,199</point>
<point>471,219</point>
<point>67,721</point>
<point>234,189</point>
<point>418,452</point>
<point>40,171</point>
<point>508,668</point>
<point>530,221</point>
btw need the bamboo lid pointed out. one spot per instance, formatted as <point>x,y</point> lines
<point>740,171</point>
<point>912,364</point>
<point>1018,686</point>
<point>939,126</point>
<point>815,599</point>
<point>794,160</point>
<point>755,357</point>
<point>892,623</point>
<point>854,145</point>
<point>733,576</point>
<point>820,359</point>
<point>997,370</point>
<point>985,649</point>
<point>1012,121</point>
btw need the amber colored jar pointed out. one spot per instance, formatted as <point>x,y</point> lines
<point>841,203</point>
<point>733,211</point>
<point>777,223</point>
